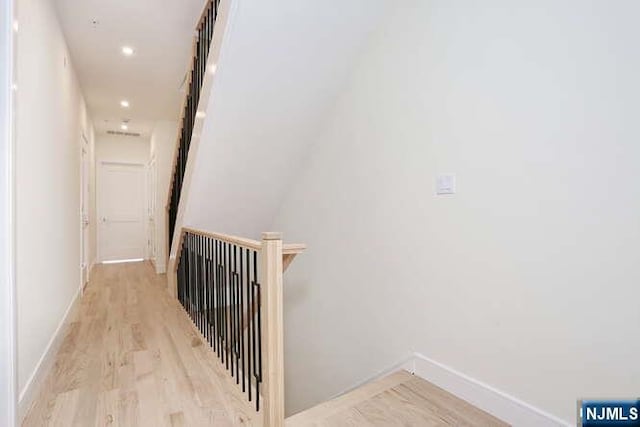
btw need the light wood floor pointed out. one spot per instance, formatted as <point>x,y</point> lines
<point>133,358</point>
<point>400,399</point>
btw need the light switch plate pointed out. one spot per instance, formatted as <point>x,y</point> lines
<point>446,184</point>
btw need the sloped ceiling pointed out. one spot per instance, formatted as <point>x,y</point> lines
<point>283,64</point>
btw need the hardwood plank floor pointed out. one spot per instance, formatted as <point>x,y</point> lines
<point>399,399</point>
<point>132,357</point>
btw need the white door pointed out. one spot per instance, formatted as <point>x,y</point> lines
<point>121,212</point>
<point>84,220</point>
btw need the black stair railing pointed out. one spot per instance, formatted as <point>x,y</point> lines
<point>218,286</point>
<point>232,289</point>
<point>201,47</point>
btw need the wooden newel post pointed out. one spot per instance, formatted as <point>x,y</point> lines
<point>273,330</point>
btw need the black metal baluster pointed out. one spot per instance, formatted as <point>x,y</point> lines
<point>208,290</point>
<point>198,282</point>
<point>192,290</point>
<point>234,326</point>
<point>249,323</point>
<point>241,291</point>
<point>202,287</point>
<point>230,306</point>
<point>181,276</point>
<point>238,315</point>
<point>213,294</point>
<point>209,293</point>
<point>224,308</point>
<point>190,274</point>
<point>253,336</point>
<point>231,301</point>
<point>203,53</point>
<point>259,331</point>
<point>194,280</point>
<point>214,14</point>
<point>186,271</point>
<point>196,290</point>
<point>236,307</point>
<point>205,291</point>
<point>219,300</point>
<point>209,28</point>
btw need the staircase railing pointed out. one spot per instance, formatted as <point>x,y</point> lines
<point>232,289</point>
<point>193,83</point>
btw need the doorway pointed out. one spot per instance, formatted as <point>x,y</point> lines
<point>8,343</point>
<point>122,202</point>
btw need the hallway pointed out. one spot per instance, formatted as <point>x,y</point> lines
<point>131,357</point>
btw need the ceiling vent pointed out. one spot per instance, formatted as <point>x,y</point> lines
<point>117,132</point>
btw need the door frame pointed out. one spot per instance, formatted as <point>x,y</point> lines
<point>152,188</point>
<point>8,348</point>
<point>85,193</point>
<point>99,177</point>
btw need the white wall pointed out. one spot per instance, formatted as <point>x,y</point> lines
<point>51,117</point>
<point>527,278</point>
<point>117,148</point>
<point>163,145</point>
<point>8,390</point>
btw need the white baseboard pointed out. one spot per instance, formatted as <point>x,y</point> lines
<point>479,394</point>
<point>31,388</point>
<point>483,396</point>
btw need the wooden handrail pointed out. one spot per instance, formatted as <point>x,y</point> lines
<point>241,241</point>
<point>289,251</point>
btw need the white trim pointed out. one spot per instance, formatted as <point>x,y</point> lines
<point>8,352</point>
<point>31,388</point>
<point>119,163</point>
<point>84,180</point>
<point>498,403</point>
<point>488,398</point>
<point>123,261</point>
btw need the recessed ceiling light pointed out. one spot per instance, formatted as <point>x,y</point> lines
<point>124,126</point>
<point>124,103</point>
<point>201,114</point>
<point>127,50</point>
<point>16,26</point>
<point>212,69</point>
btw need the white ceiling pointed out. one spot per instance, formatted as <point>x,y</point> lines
<point>160,32</point>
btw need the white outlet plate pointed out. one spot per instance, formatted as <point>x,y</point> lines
<point>446,184</point>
